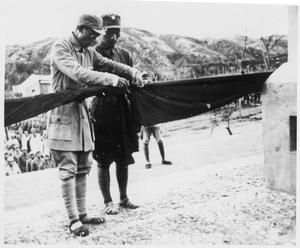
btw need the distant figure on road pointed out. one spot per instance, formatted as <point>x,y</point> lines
<point>155,130</point>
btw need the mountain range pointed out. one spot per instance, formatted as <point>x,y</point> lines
<point>166,57</point>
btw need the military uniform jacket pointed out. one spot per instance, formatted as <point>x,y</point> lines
<point>69,127</point>
<point>115,121</point>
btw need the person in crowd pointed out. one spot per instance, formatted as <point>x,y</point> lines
<point>12,141</point>
<point>17,153</point>
<point>11,150</point>
<point>70,134</point>
<point>147,131</point>
<point>19,133</point>
<point>46,150</point>
<point>43,124</point>
<point>29,163</point>
<point>36,124</point>
<point>115,140</point>
<point>12,167</point>
<point>22,161</point>
<point>24,140</point>
<point>27,125</point>
<point>6,155</point>
<point>15,126</point>
<point>47,163</point>
<point>38,161</point>
<point>35,142</point>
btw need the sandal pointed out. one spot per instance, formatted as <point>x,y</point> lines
<point>127,204</point>
<point>95,220</point>
<point>148,166</point>
<point>78,229</point>
<point>110,208</point>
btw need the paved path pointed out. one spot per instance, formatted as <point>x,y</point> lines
<point>214,193</point>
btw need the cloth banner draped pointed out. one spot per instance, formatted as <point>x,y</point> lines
<point>158,102</point>
<point>168,101</point>
<point>19,109</point>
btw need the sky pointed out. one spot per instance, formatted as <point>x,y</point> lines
<point>26,21</point>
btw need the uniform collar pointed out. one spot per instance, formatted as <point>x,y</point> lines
<point>76,44</point>
<point>107,50</point>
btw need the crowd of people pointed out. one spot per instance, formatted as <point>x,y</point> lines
<point>25,148</point>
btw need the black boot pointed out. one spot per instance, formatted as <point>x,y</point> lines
<point>146,152</point>
<point>162,153</point>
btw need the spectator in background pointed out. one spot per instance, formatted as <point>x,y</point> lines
<point>12,167</point>
<point>38,161</point>
<point>15,126</point>
<point>22,161</point>
<point>155,130</point>
<point>11,151</point>
<point>17,153</point>
<point>36,125</point>
<point>12,141</point>
<point>19,133</point>
<point>47,163</point>
<point>43,124</point>
<point>27,125</point>
<point>6,155</point>
<point>29,163</point>
<point>24,140</point>
<point>46,150</point>
<point>35,142</point>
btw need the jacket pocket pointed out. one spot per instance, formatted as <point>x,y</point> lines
<point>60,128</point>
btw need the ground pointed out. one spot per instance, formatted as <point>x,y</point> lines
<point>214,193</point>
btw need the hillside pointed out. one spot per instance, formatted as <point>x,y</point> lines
<point>166,56</point>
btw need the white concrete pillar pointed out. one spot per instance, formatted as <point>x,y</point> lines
<point>279,111</point>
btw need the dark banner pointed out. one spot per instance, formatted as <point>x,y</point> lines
<point>168,101</point>
<point>158,102</point>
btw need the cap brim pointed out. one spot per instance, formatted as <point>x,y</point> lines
<point>99,31</point>
<point>112,26</point>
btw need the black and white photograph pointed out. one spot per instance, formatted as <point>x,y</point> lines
<point>134,122</point>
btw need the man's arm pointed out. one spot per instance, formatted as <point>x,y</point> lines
<point>105,64</point>
<point>64,62</point>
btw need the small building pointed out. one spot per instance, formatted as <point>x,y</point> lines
<point>34,85</point>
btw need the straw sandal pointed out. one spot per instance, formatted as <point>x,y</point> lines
<point>95,220</point>
<point>78,229</point>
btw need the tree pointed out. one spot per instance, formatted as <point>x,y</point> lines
<point>222,114</point>
<point>268,45</point>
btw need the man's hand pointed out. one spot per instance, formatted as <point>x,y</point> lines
<point>137,80</point>
<point>123,84</point>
